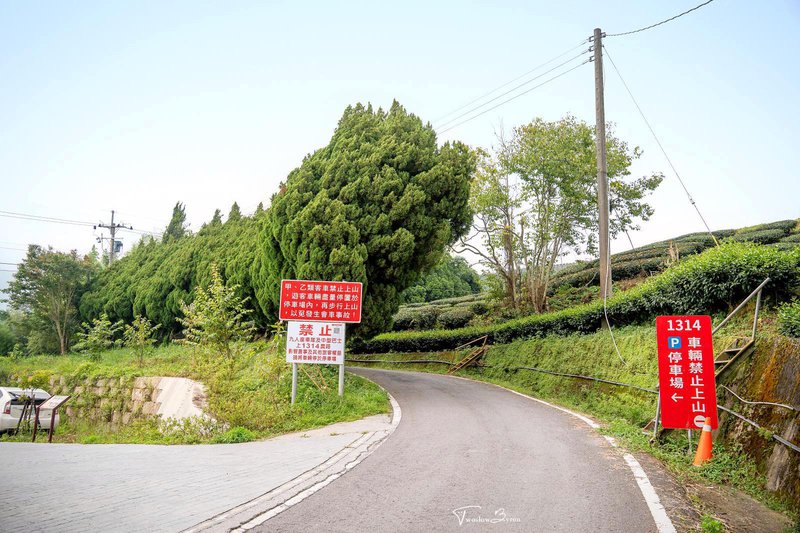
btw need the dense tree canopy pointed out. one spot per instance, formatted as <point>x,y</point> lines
<point>46,289</point>
<point>377,205</point>
<point>450,278</point>
<point>154,279</point>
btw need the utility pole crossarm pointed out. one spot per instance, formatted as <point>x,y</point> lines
<point>112,228</point>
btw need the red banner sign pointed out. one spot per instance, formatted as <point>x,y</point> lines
<point>686,371</point>
<point>321,301</point>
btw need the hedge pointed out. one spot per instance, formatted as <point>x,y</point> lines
<point>707,283</point>
<point>458,317</point>
<point>765,236</point>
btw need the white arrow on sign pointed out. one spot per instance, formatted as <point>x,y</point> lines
<point>675,397</point>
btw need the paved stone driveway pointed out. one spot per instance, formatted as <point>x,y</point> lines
<point>119,487</point>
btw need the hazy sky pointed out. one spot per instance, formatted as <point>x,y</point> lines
<point>135,106</point>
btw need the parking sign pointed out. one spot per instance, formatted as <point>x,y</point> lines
<point>687,385</point>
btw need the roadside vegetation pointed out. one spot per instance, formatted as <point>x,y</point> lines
<point>248,397</point>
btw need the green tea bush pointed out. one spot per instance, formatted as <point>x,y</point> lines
<point>405,319</point>
<point>765,236</point>
<point>457,317</point>
<point>479,308</point>
<point>789,319</point>
<point>784,225</point>
<point>712,281</point>
<point>795,237</point>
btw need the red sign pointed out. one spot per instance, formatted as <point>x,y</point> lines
<point>686,371</point>
<point>321,301</point>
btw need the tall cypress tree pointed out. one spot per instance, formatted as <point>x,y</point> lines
<point>177,226</point>
<point>377,205</point>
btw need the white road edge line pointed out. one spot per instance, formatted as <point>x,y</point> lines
<point>397,415</point>
<point>659,514</point>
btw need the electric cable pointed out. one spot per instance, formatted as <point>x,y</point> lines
<point>512,98</point>
<point>661,147</point>
<point>659,23</point>
<point>512,89</point>
<point>531,71</point>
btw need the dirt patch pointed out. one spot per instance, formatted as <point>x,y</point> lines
<point>738,511</point>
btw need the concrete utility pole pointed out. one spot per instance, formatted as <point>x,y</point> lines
<point>602,173</point>
<point>112,228</point>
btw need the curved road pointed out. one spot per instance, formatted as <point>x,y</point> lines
<point>466,453</point>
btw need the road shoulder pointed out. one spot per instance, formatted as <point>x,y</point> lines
<point>369,433</point>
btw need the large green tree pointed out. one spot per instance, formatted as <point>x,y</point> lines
<point>46,289</point>
<point>535,198</point>
<point>378,205</point>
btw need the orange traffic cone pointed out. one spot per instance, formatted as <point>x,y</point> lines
<point>704,446</point>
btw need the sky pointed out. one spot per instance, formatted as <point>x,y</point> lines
<point>135,106</point>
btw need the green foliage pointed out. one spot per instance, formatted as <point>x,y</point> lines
<point>154,278</point>
<point>216,318</point>
<point>250,392</point>
<point>709,524</point>
<point>235,436</point>
<point>7,338</point>
<point>177,227</point>
<point>377,205</point>
<point>45,290</point>
<point>140,336</point>
<point>656,257</point>
<point>451,277</point>
<point>456,318</point>
<point>713,281</point>
<point>765,236</point>
<point>535,199</point>
<point>789,319</point>
<point>98,336</point>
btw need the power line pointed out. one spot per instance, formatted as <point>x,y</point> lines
<point>15,249</point>
<point>39,218</point>
<point>531,71</point>
<point>660,23</point>
<point>512,98</point>
<point>512,90</point>
<point>8,264</point>
<point>6,270</point>
<point>658,142</point>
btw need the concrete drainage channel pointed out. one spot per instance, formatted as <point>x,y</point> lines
<point>260,509</point>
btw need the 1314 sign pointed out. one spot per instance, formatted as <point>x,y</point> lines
<point>686,378</point>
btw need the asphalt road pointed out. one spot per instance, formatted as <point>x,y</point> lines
<point>466,453</point>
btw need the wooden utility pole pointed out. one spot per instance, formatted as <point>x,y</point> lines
<point>602,173</point>
<point>112,228</point>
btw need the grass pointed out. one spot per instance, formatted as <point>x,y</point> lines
<point>623,411</point>
<point>248,396</point>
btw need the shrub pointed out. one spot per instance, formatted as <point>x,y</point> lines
<point>789,319</point>
<point>794,237</point>
<point>784,225</point>
<point>479,308</point>
<point>235,435</point>
<point>405,319</point>
<point>456,318</point>
<point>705,283</point>
<point>766,236</point>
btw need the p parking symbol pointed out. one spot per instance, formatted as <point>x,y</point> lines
<point>674,343</point>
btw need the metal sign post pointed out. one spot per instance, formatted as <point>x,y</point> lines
<point>52,403</point>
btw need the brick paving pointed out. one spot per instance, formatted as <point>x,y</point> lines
<point>125,487</point>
